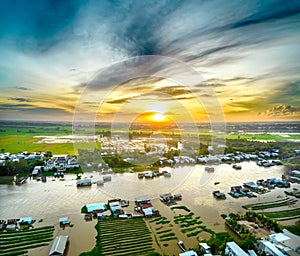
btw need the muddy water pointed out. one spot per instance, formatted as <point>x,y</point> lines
<point>54,199</point>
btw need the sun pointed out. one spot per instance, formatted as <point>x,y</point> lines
<point>158,117</point>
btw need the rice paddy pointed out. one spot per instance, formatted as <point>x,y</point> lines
<point>268,205</point>
<point>125,237</point>
<point>284,215</point>
<point>19,242</point>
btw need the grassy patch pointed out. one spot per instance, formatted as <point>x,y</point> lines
<point>295,228</point>
<point>6,180</point>
<point>268,205</point>
<point>122,237</point>
<point>19,242</point>
<point>182,207</point>
<point>283,214</point>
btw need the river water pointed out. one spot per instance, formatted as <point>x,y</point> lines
<point>58,198</point>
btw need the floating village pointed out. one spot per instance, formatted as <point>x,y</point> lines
<point>150,211</point>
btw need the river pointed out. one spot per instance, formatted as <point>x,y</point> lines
<point>58,198</point>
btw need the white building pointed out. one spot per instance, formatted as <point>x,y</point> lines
<point>233,249</point>
<point>270,248</point>
<point>59,246</point>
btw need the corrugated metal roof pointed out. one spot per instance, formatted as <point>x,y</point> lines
<point>236,249</point>
<point>59,245</point>
<point>97,206</point>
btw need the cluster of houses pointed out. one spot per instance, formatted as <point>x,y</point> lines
<point>260,187</point>
<point>23,155</point>
<point>277,244</point>
<point>62,162</point>
<point>150,175</point>
<point>239,157</point>
<point>89,182</point>
<point>143,208</point>
<point>292,176</point>
<point>170,199</point>
<point>272,183</point>
<point>239,191</point>
<point>15,224</point>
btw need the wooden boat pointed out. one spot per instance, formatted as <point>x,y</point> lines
<point>182,246</point>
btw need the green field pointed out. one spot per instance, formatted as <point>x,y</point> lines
<point>7,180</point>
<point>122,237</point>
<point>20,143</point>
<point>268,205</point>
<point>284,215</point>
<point>19,242</point>
<point>20,136</point>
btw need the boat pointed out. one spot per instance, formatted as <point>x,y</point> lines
<point>182,246</point>
<point>216,183</point>
<point>44,178</point>
<point>209,169</point>
<point>218,195</point>
<point>21,180</point>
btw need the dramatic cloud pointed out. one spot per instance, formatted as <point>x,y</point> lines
<point>247,52</point>
<point>282,110</point>
<point>20,99</point>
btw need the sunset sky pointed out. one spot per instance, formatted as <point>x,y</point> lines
<point>61,57</point>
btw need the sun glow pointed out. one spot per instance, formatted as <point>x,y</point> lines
<point>158,117</point>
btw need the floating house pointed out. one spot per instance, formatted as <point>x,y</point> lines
<point>251,185</point>
<point>64,221</point>
<point>142,199</point>
<point>59,246</point>
<point>237,167</point>
<point>106,178</point>
<point>86,182</point>
<point>177,197</point>
<point>94,207</point>
<point>209,169</point>
<point>100,182</point>
<point>25,221</point>
<point>218,195</point>
<point>115,207</point>
<point>11,227</point>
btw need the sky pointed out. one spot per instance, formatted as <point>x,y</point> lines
<point>119,60</point>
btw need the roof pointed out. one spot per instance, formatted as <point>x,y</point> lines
<point>147,211</point>
<point>278,237</point>
<point>238,250</point>
<point>146,205</point>
<point>272,248</point>
<point>59,245</point>
<point>97,206</point>
<point>252,253</point>
<point>188,253</point>
<point>64,220</point>
<point>26,219</point>
<point>204,246</point>
<point>142,198</point>
<point>36,170</point>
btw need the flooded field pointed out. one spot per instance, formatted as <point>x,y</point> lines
<point>58,198</point>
